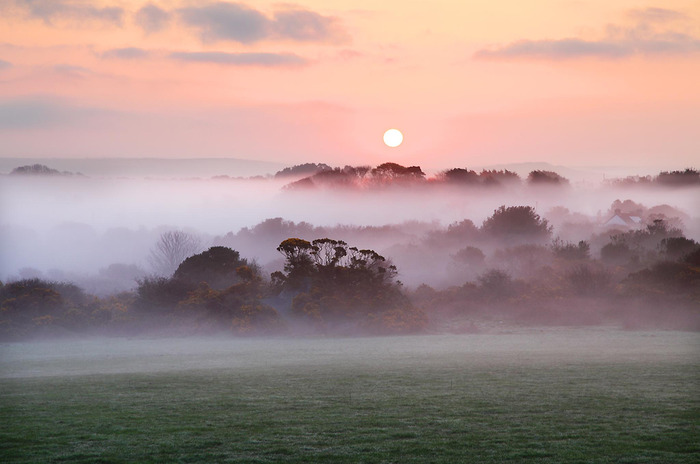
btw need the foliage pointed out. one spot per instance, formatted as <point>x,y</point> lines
<point>589,280</point>
<point>459,176</point>
<point>541,177</point>
<point>217,288</point>
<point>675,248</point>
<point>470,256</point>
<point>496,284</point>
<point>31,303</point>
<point>238,306</point>
<point>333,285</point>
<point>302,170</point>
<point>389,171</point>
<point>160,294</point>
<point>218,266</point>
<point>570,251</point>
<point>641,245</point>
<point>687,177</point>
<point>519,223</point>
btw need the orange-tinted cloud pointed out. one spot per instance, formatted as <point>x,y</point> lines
<point>225,21</point>
<point>618,42</point>
<point>241,59</point>
<point>151,18</point>
<point>59,10</point>
<point>127,53</point>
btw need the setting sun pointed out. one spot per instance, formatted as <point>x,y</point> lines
<point>393,138</point>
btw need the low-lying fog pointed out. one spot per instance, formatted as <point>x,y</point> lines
<point>81,225</point>
<point>522,347</point>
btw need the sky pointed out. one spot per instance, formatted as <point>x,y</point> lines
<point>469,83</point>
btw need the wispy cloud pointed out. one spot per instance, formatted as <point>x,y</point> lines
<point>618,42</point>
<point>52,10</point>
<point>242,59</point>
<point>656,15</point>
<point>305,25</point>
<point>151,18</point>
<point>5,64</point>
<point>226,21</point>
<point>71,70</point>
<point>241,23</point>
<point>128,53</point>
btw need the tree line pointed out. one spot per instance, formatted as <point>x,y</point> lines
<point>649,275</point>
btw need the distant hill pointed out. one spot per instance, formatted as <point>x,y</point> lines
<point>149,167</point>
<point>39,170</point>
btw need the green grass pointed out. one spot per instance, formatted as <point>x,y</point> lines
<point>391,408</point>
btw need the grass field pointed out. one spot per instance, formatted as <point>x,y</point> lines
<point>555,396</point>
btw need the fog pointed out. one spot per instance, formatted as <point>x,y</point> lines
<point>84,224</point>
<point>523,347</point>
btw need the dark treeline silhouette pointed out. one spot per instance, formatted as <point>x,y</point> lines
<point>685,178</point>
<point>302,170</point>
<point>393,174</point>
<point>39,170</point>
<point>510,268</point>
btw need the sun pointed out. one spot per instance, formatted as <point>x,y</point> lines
<point>393,138</point>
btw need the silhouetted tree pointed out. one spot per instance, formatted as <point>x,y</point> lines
<point>459,176</point>
<point>471,256</point>
<point>687,177</point>
<point>171,249</point>
<point>302,170</point>
<point>675,248</point>
<point>520,223</point>
<point>218,267</point>
<point>539,177</point>
<point>496,284</point>
<point>330,283</point>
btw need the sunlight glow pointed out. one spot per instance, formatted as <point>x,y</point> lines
<point>393,138</point>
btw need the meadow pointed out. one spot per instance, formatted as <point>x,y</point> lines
<point>582,395</point>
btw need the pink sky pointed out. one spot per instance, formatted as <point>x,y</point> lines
<point>469,83</point>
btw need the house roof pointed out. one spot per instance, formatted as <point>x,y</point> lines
<point>622,219</point>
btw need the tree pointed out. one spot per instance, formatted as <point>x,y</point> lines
<point>570,251</point>
<point>333,285</point>
<point>675,248</point>
<point>539,177</point>
<point>171,249</point>
<point>519,223</point>
<point>299,263</point>
<point>496,285</point>
<point>218,267</point>
<point>459,176</point>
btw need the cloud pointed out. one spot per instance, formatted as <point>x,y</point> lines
<point>554,49</point>
<point>241,23</point>
<point>128,53</point>
<point>241,59</point>
<point>618,42</point>
<point>51,10</point>
<point>5,64</point>
<point>305,25</point>
<point>152,18</point>
<point>226,21</point>
<point>71,70</point>
<point>656,15</point>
